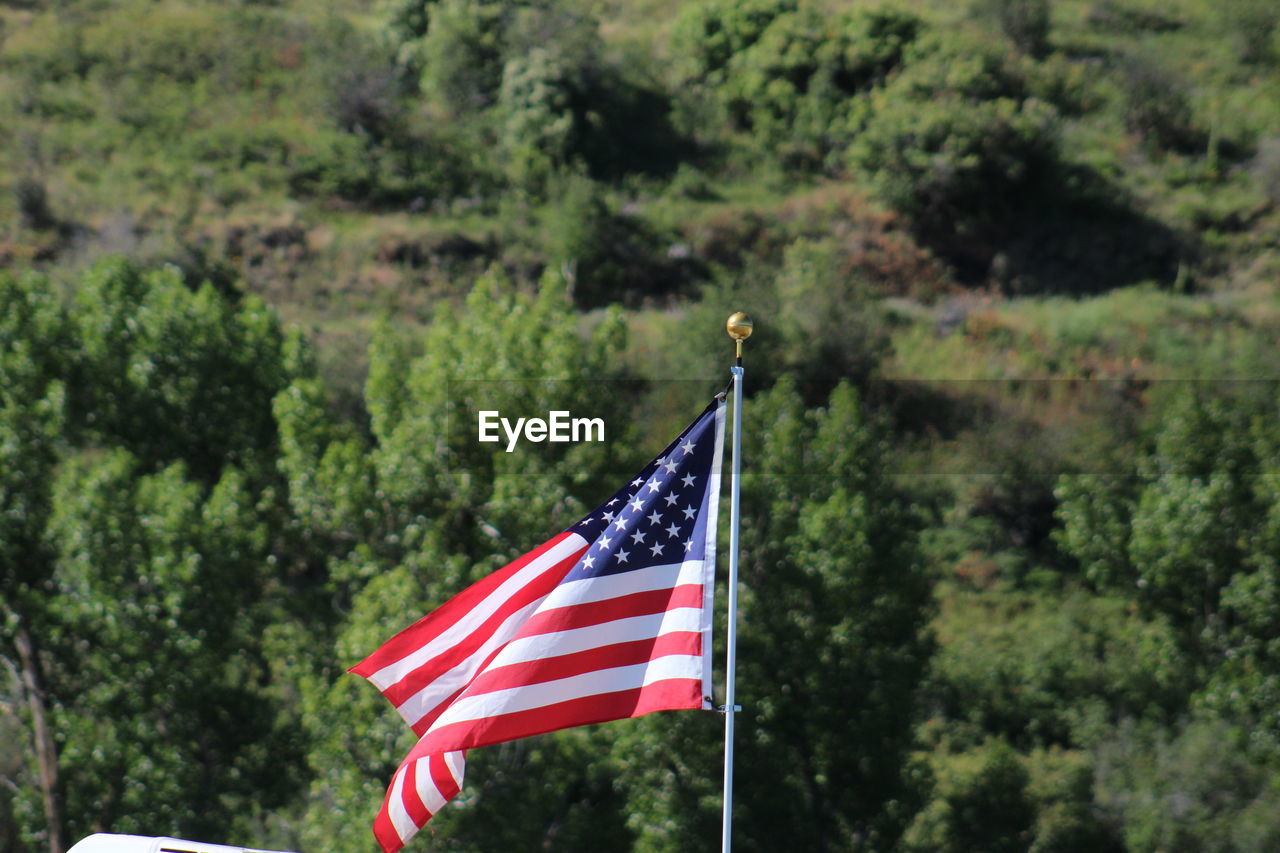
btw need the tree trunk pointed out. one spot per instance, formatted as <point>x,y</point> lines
<point>46,750</point>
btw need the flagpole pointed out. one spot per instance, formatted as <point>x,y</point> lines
<point>739,327</point>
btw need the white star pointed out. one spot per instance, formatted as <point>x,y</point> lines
<point>612,502</point>
<point>586,520</point>
<point>671,500</point>
<point>637,505</point>
<point>589,562</point>
<point>637,537</point>
<point>656,549</point>
<point>687,479</point>
<point>654,518</point>
<point>670,466</point>
<point>688,546</point>
<point>637,482</point>
<point>655,486</point>
<point>604,542</point>
<point>673,530</point>
<point>687,447</point>
<point>689,512</point>
<point>621,523</point>
<point>622,556</point>
<point>608,516</point>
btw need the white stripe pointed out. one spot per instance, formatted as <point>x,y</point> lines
<point>427,790</point>
<point>447,683</point>
<point>711,508</point>
<point>476,616</point>
<point>457,765</point>
<point>625,630</point>
<point>594,683</point>
<point>400,820</point>
<point>624,583</point>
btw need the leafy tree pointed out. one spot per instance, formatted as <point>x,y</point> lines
<point>174,374</point>
<point>1191,788</point>
<point>1186,533</point>
<point>1190,543</point>
<point>151,639</point>
<point>447,510</point>
<point>982,804</point>
<point>832,648</point>
<point>1051,672</point>
<point>35,356</point>
<point>539,124</point>
<point>134,592</point>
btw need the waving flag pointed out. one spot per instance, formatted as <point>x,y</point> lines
<point>607,620</point>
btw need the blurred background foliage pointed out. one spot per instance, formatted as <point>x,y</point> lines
<point>1012,497</point>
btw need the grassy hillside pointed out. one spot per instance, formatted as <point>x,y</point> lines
<point>1037,236</point>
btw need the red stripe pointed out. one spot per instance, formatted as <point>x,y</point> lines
<point>445,783</point>
<point>413,804</point>
<point>668,695</point>
<point>448,614</point>
<point>385,833</point>
<point>422,676</point>
<point>598,612</point>
<point>689,595</point>
<point>602,657</point>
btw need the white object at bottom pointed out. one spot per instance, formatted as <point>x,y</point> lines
<point>104,843</point>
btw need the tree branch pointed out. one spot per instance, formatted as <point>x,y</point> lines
<point>46,749</point>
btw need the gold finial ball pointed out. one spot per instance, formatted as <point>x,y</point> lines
<point>738,326</point>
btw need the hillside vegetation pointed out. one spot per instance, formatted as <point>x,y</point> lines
<point>1012,485</point>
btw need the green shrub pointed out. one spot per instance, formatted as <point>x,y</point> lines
<point>462,55</point>
<point>1026,23</point>
<point>829,323</point>
<point>604,256</point>
<point>1266,167</point>
<point>785,74</point>
<point>1115,16</point>
<point>1157,106</point>
<point>330,164</point>
<point>539,130</point>
<point>962,169</point>
<point>34,210</point>
<point>1254,25</point>
<point>529,79</point>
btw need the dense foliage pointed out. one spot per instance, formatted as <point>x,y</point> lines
<point>1010,572</point>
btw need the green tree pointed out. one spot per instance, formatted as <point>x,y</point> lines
<point>150,634</point>
<point>1194,787</point>
<point>135,562</point>
<point>832,648</point>
<point>446,511</point>
<point>982,804</point>
<point>175,374</point>
<point>1191,542</point>
<point>36,354</point>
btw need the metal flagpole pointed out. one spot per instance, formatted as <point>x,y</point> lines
<point>739,327</point>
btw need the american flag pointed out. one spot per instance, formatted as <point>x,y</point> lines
<point>606,620</point>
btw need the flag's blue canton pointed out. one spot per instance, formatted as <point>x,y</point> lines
<point>659,517</point>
